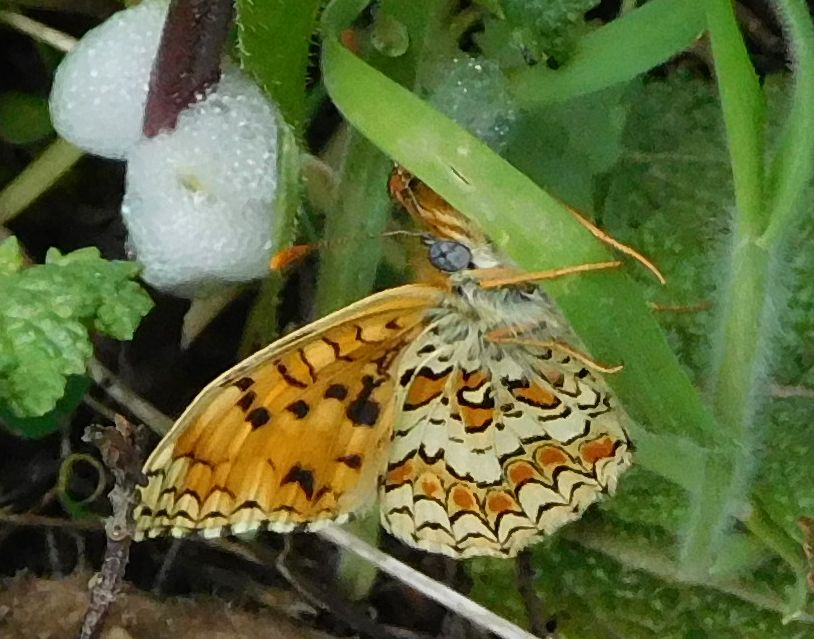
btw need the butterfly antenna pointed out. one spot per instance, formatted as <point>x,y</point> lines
<point>293,254</point>
<point>599,234</point>
<point>497,277</point>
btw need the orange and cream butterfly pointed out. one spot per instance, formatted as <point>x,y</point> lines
<point>461,404</point>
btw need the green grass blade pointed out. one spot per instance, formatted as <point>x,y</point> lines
<point>39,176</point>
<point>617,52</point>
<point>744,109</point>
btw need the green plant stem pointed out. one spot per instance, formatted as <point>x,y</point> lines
<point>740,344</point>
<point>348,268</point>
<point>743,107</point>
<point>347,271</point>
<point>761,526</point>
<point>39,176</point>
<point>742,341</point>
<point>778,540</point>
<point>639,556</point>
<point>792,166</point>
<point>748,296</point>
<point>617,52</point>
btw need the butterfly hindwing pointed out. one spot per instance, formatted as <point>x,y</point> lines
<point>496,447</point>
<point>294,435</point>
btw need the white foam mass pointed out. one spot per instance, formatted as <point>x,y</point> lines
<point>100,88</point>
<point>199,199</point>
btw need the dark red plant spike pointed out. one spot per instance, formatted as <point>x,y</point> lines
<point>188,59</point>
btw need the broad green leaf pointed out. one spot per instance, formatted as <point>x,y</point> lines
<point>75,389</point>
<point>46,315</point>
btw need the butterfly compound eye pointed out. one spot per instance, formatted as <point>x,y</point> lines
<point>450,256</point>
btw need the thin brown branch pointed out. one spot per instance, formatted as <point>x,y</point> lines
<point>140,408</point>
<point>785,392</point>
<point>42,521</point>
<point>122,449</point>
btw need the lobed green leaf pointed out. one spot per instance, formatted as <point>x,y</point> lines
<point>46,314</point>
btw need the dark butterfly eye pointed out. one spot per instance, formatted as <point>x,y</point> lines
<point>450,256</point>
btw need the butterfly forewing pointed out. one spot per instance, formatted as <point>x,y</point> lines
<point>296,434</point>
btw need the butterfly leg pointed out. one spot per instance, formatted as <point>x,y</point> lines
<point>501,276</point>
<point>502,336</point>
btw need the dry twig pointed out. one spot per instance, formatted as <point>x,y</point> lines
<point>39,31</point>
<point>122,450</point>
<point>119,391</point>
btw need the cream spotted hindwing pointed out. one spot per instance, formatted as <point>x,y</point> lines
<point>495,445</point>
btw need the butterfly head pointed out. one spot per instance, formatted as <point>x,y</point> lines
<point>456,243</point>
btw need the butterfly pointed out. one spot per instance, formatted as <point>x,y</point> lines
<point>460,403</point>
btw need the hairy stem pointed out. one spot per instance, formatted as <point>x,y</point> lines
<point>753,289</point>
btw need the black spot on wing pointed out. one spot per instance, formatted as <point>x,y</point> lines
<point>364,411</point>
<point>245,402</point>
<point>244,383</point>
<point>299,409</point>
<point>258,417</point>
<point>406,377</point>
<point>426,371</point>
<point>311,372</point>
<point>336,349</point>
<point>336,391</point>
<point>288,377</point>
<point>351,461</point>
<point>303,477</point>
